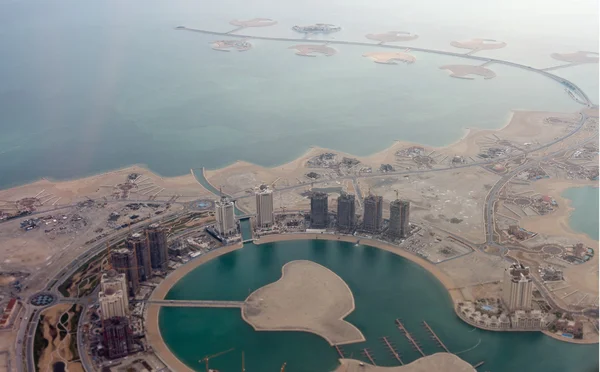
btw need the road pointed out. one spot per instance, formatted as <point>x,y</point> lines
<point>423,171</point>
<point>493,197</point>
<point>27,328</point>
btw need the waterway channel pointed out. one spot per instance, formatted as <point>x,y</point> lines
<point>385,287</point>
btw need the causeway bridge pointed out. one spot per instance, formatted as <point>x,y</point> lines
<point>197,303</point>
<point>568,84</point>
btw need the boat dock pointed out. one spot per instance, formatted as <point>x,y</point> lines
<point>478,364</point>
<point>392,350</point>
<point>414,342</point>
<point>367,354</point>
<point>435,337</point>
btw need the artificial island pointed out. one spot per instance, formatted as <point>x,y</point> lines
<point>88,264</point>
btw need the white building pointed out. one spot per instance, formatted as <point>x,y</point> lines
<point>111,280</point>
<point>264,207</point>
<point>517,288</point>
<point>225,215</point>
<point>112,304</point>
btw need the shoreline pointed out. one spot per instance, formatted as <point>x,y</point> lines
<point>362,337</point>
<point>557,223</point>
<point>463,138</point>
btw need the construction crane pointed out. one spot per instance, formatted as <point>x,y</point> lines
<point>283,367</point>
<point>209,357</point>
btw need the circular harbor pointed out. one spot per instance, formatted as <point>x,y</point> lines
<point>381,282</point>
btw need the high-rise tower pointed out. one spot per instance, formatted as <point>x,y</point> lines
<point>113,303</point>
<point>118,338</point>
<point>318,210</point>
<point>373,213</point>
<point>157,242</point>
<point>517,287</point>
<point>124,261</point>
<point>111,280</point>
<point>346,212</point>
<point>264,206</point>
<point>137,242</point>
<point>399,212</point>
<point>225,215</point>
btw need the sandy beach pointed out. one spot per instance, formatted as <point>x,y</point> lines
<point>309,298</point>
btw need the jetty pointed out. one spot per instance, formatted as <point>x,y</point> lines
<point>414,342</point>
<point>393,351</point>
<point>435,337</point>
<point>367,354</point>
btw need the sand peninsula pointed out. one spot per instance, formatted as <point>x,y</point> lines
<point>390,58</point>
<point>308,298</point>
<point>576,57</point>
<point>438,362</point>
<point>313,50</point>
<point>463,71</point>
<point>479,44</point>
<point>392,36</point>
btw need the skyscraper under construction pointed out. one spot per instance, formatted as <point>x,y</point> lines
<point>346,212</point>
<point>137,242</point>
<point>157,242</point>
<point>124,261</point>
<point>319,210</point>
<point>373,214</point>
<point>399,226</point>
<point>118,338</point>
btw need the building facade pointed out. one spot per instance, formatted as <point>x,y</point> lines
<point>264,207</point>
<point>157,243</point>
<point>225,216</point>
<point>399,227</point>
<point>373,214</point>
<point>113,303</point>
<point>346,212</point>
<point>319,216</point>
<point>517,288</point>
<point>137,243</point>
<point>111,280</point>
<point>124,261</point>
<point>118,338</point>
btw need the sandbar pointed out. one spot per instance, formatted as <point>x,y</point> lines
<point>479,44</point>
<point>463,71</point>
<point>392,36</point>
<point>308,298</point>
<point>445,362</point>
